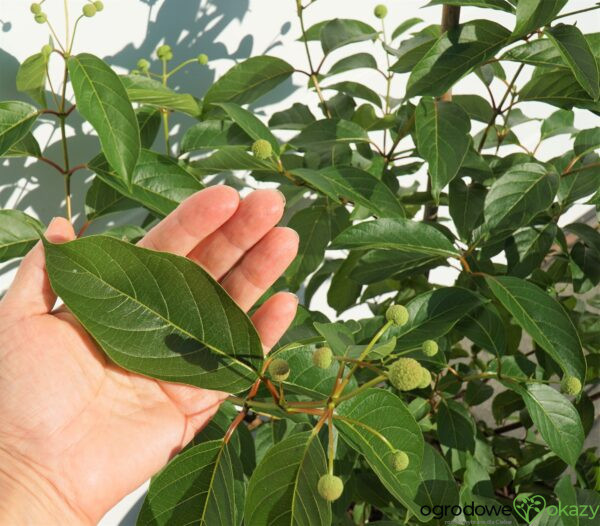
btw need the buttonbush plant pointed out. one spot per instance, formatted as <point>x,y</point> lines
<point>443,395</point>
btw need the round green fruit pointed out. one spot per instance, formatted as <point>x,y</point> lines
<point>279,370</point>
<point>397,314</point>
<point>41,18</point>
<point>425,378</point>
<point>571,385</point>
<point>262,149</point>
<point>164,51</point>
<point>35,8</point>
<point>330,487</point>
<point>98,5</point>
<point>381,11</point>
<point>430,348</point>
<point>399,460</point>
<point>143,65</point>
<point>322,357</point>
<point>89,10</point>
<point>405,374</point>
<point>203,59</point>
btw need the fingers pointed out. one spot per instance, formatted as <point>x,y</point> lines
<point>257,214</point>
<point>193,220</point>
<point>261,266</point>
<point>30,293</point>
<point>274,317</point>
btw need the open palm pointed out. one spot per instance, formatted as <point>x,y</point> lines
<point>77,433</point>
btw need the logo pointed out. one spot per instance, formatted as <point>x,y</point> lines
<point>529,507</point>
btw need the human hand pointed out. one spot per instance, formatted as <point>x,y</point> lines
<point>78,433</point>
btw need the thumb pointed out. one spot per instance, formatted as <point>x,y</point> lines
<point>30,293</point>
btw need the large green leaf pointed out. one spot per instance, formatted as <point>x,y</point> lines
<point>555,418</point>
<point>149,123</point>
<point>355,185</point>
<point>248,122</point>
<point>396,234</point>
<point>232,158</point>
<point>151,92</point>
<point>442,139</point>
<point>433,314</point>
<point>248,81</point>
<point>544,319</point>
<point>521,193</point>
<point>577,53</point>
<point>297,117</point>
<point>466,203</point>
<point>18,233</point>
<point>158,182</point>
<point>102,199</point>
<point>31,77</point>
<point>485,328</point>
<point>202,486</point>
<point>212,135</point>
<point>155,313</point>
<point>413,49</point>
<point>560,122</point>
<point>360,60</point>
<point>341,32</point>
<point>356,90</point>
<point>103,101</point>
<point>455,426</point>
<point>527,248</point>
<point>26,147</point>
<point>454,55</point>
<point>532,14</point>
<point>16,119</point>
<point>378,265</point>
<point>327,132</point>
<point>283,489</point>
<point>375,423</point>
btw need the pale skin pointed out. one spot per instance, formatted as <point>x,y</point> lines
<point>78,433</point>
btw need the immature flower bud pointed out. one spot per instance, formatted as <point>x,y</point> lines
<point>330,487</point>
<point>164,51</point>
<point>405,374</point>
<point>35,8</point>
<point>430,348</point>
<point>46,50</point>
<point>41,18</point>
<point>381,11</point>
<point>322,357</point>
<point>425,378</point>
<point>279,370</point>
<point>203,59</point>
<point>143,65</point>
<point>397,314</point>
<point>399,460</point>
<point>89,10</point>
<point>98,5</point>
<point>262,149</point>
<point>571,385</point>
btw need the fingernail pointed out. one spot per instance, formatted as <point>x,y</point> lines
<point>282,196</point>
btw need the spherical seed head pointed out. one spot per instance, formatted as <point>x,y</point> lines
<point>99,5</point>
<point>279,369</point>
<point>397,314</point>
<point>399,460</point>
<point>46,50</point>
<point>571,385</point>
<point>425,378</point>
<point>203,59</point>
<point>322,357</point>
<point>330,487</point>
<point>262,149</point>
<point>405,374</point>
<point>430,348</point>
<point>381,11</point>
<point>35,8</point>
<point>41,18</point>
<point>89,10</point>
<point>143,64</point>
<point>163,51</point>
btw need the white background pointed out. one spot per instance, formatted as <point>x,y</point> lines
<point>227,30</point>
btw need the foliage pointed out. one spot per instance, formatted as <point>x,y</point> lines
<point>385,410</point>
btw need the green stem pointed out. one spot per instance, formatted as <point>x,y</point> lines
<point>597,6</point>
<point>66,6</point>
<point>363,387</point>
<point>164,111</point>
<point>65,148</point>
<point>70,48</point>
<point>181,66</point>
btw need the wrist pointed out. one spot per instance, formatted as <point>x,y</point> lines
<point>28,498</point>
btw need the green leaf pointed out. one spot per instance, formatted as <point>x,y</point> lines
<point>316,225</point>
<point>203,485</point>
<point>328,132</point>
<point>376,422</point>
<point>158,182</point>
<point>129,233</point>
<point>212,135</point>
<point>341,32</point>
<point>577,53</point>
<point>454,55</point>
<point>26,147</point>
<point>500,5</point>
<point>442,139</point>
<point>527,248</point>
<point>555,418</point>
<point>485,328</point>
<point>405,26</point>
<point>103,101</point>
<point>412,50</point>
<point>587,141</point>
<point>102,199</point>
<point>149,121</point>
<point>248,81</point>
<point>297,117</point>
<point>560,122</point>
<point>455,426</point>
<point>516,197</point>
<point>353,184</point>
<point>396,234</point>
<point>358,61</point>
<point>232,158</point>
<point>152,92</point>
<point>544,319</point>
<point>433,314</point>
<point>477,107</point>
<point>250,124</point>
<point>466,203</point>
<point>153,313</point>
<point>16,119</point>
<point>378,265</point>
<point>357,91</point>
<point>282,491</point>
<point>31,77</point>
<point>18,233</point>
<point>532,14</point>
